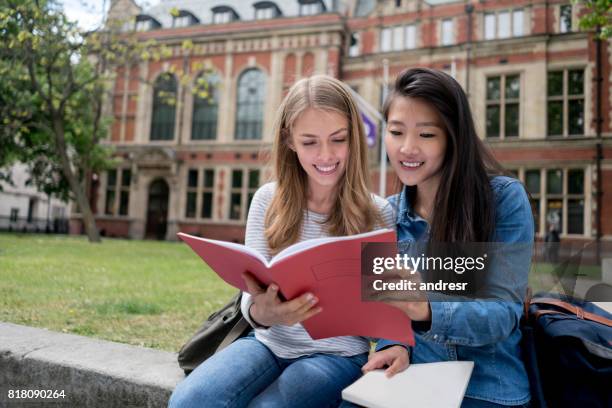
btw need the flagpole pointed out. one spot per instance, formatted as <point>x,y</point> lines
<point>382,191</point>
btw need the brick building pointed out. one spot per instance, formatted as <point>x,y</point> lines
<point>538,87</point>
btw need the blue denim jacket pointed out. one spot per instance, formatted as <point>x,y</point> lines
<point>486,332</point>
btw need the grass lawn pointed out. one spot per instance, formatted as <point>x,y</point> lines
<point>148,293</point>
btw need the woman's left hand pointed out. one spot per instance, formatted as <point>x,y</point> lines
<point>418,311</point>
<point>396,357</point>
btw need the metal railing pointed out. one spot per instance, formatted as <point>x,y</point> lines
<point>34,225</point>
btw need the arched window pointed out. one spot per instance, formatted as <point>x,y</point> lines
<point>205,107</point>
<point>250,104</point>
<point>164,107</point>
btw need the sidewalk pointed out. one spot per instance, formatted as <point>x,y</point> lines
<point>91,372</point>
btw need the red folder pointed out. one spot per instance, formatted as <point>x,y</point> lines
<point>330,268</point>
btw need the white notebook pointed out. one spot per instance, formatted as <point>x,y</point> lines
<point>431,385</point>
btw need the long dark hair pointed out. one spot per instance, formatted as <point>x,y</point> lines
<point>464,204</point>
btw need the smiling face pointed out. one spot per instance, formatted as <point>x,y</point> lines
<point>416,142</point>
<point>320,139</point>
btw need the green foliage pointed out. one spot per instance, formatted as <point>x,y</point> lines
<point>598,15</point>
<point>55,80</point>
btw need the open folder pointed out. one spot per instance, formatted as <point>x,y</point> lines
<point>431,385</point>
<point>330,268</point>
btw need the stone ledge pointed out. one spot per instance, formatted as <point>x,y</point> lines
<point>92,372</point>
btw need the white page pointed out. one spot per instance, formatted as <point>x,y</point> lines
<point>431,385</point>
<point>311,243</point>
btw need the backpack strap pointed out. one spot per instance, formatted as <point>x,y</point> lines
<point>236,331</point>
<point>527,302</point>
<point>568,307</point>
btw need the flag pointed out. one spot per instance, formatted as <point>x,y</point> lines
<point>370,130</point>
<point>370,116</point>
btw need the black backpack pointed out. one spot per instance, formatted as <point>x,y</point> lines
<point>218,331</point>
<point>567,349</point>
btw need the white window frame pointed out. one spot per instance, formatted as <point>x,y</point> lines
<point>244,190</point>
<point>410,34</point>
<point>199,189</point>
<point>398,38</point>
<point>143,25</point>
<point>222,17</point>
<point>566,98</point>
<point>118,188</point>
<point>311,9</point>
<point>355,49</point>
<point>447,30</point>
<point>563,28</point>
<point>386,39</point>
<point>492,25</point>
<point>181,21</point>
<point>502,102</point>
<point>265,13</point>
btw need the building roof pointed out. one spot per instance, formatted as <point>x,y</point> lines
<point>202,9</point>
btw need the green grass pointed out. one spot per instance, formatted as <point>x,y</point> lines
<point>148,293</point>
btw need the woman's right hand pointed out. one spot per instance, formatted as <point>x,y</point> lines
<point>268,309</point>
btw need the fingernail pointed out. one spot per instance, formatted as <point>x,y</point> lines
<point>310,298</point>
<point>274,287</point>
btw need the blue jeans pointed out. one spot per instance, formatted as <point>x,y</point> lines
<point>247,373</point>
<point>467,403</point>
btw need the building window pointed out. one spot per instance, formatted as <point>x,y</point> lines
<point>266,10</point>
<point>143,25</point>
<point>565,18</point>
<point>517,23</point>
<point>566,102</point>
<point>164,108</point>
<point>410,36</point>
<point>117,192</point>
<point>205,108</point>
<point>192,193</point>
<point>244,185</point>
<point>503,101</point>
<point>448,35</point>
<point>562,192</point>
<point>146,23</point>
<point>490,26</point>
<point>533,186</point>
<point>222,17</point>
<point>204,191</point>
<point>354,45</point>
<point>184,19</point>
<point>398,38</point>
<point>311,9</point>
<point>250,105</point>
<point>503,24</point>
<point>386,40</point>
<point>14,214</point>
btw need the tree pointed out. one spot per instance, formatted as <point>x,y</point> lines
<point>45,66</point>
<point>55,82</point>
<point>598,16</point>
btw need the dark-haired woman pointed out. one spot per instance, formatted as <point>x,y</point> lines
<point>452,192</point>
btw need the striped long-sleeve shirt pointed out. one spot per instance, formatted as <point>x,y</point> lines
<point>294,341</point>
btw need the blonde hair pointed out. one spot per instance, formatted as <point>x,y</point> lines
<point>354,210</point>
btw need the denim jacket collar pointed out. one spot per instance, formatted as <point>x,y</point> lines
<point>408,219</point>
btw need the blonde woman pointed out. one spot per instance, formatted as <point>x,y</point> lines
<point>321,189</point>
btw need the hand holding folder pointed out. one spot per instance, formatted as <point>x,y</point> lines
<point>330,268</point>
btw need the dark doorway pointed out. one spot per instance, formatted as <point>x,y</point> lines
<point>157,210</point>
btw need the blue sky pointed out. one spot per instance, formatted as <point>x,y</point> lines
<point>89,13</point>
